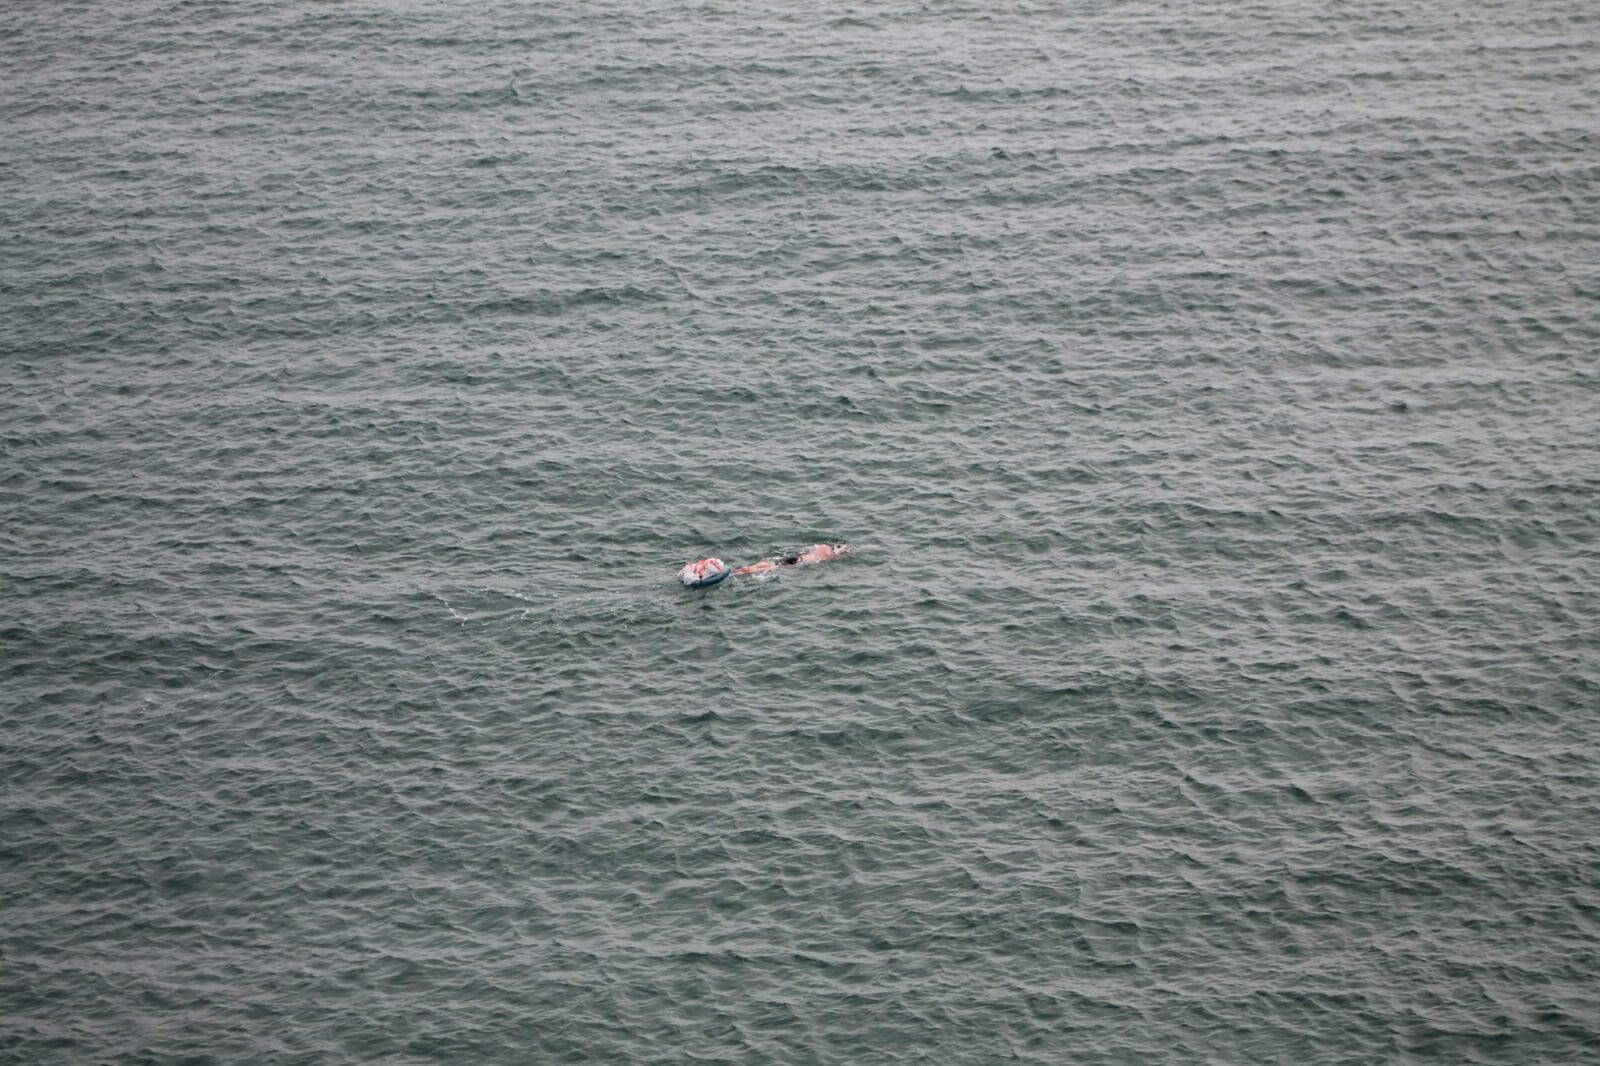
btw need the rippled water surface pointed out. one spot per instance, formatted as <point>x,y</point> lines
<point>1210,392</point>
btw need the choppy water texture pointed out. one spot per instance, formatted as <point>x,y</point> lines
<point>1211,391</point>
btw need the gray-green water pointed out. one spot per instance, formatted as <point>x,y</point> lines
<point>1211,392</point>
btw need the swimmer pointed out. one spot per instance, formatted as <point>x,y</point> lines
<point>817,553</point>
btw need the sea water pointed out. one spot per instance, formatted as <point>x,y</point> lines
<point>1210,392</point>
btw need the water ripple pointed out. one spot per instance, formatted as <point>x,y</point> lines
<point>1208,393</point>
